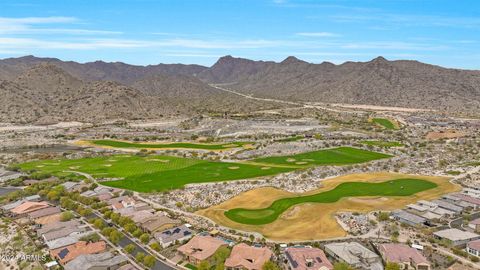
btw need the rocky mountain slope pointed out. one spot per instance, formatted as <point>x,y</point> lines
<point>377,82</point>
<point>48,89</point>
<point>46,93</point>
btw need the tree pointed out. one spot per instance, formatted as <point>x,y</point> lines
<point>66,216</point>
<point>129,248</point>
<point>383,216</point>
<point>130,227</point>
<point>137,232</point>
<point>269,265</point>
<point>144,238</point>
<point>341,266</point>
<point>155,246</point>
<point>98,223</point>
<point>140,256</point>
<point>53,195</point>
<point>115,236</point>
<point>149,261</point>
<point>392,266</point>
<point>203,265</point>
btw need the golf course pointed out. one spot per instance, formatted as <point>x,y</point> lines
<point>333,156</point>
<point>157,173</point>
<point>286,216</point>
<point>386,123</point>
<point>198,146</point>
<point>397,187</point>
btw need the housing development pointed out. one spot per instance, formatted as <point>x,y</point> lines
<point>349,162</point>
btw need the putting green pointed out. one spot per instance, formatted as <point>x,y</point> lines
<point>397,187</point>
<point>202,146</point>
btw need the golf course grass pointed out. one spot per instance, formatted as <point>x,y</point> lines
<point>385,144</point>
<point>397,187</point>
<point>156,173</point>
<point>386,123</point>
<point>202,146</point>
<point>333,156</point>
<point>153,173</point>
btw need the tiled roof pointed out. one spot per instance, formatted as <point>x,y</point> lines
<point>248,257</point>
<point>201,247</point>
<point>68,253</point>
<point>400,253</point>
<point>302,258</point>
<point>28,207</point>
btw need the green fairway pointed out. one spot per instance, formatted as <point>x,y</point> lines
<point>159,173</point>
<point>203,146</point>
<point>334,156</point>
<point>153,173</point>
<point>398,187</point>
<point>384,123</point>
<point>385,144</point>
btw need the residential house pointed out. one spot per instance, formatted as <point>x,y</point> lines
<point>26,207</point>
<point>101,261</point>
<point>57,226</point>
<point>44,212</point>
<point>456,237</point>
<point>475,225</point>
<point>200,248</point>
<point>355,255</point>
<point>171,236</point>
<point>305,258</point>
<point>408,218</point>
<point>403,255</point>
<point>247,257</point>
<point>67,231</point>
<point>68,253</point>
<point>473,248</point>
<point>157,223</point>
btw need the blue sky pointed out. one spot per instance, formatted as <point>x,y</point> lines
<point>144,32</point>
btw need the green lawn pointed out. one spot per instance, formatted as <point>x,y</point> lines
<point>384,123</point>
<point>334,156</point>
<point>203,146</point>
<point>385,144</point>
<point>398,187</point>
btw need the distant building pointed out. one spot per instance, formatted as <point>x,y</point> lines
<point>471,192</point>
<point>200,248</point>
<point>355,255</point>
<point>26,207</point>
<point>157,223</point>
<point>302,258</point>
<point>168,237</point>
<point>102,261</point>
<point>456,237</point>
<point>408,218</point>
<point>247,257</point>
<point>473,248</point>
<point>475,225</point>
<point>407,257</point>
<point>68,253</point>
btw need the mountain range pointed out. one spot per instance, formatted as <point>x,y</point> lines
<point>37,89</point>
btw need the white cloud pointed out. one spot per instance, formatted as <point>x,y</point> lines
<point>317,34</point>
<point>29,25</point>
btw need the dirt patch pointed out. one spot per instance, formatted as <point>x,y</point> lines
<point>447,134</point>
<point>234,168</point>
